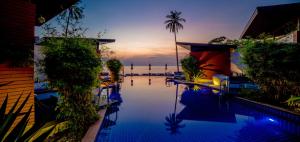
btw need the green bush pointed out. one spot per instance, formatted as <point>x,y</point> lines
<point>72,66</point>
<point>273,66</point>
<point>114,66</point>
<point>191,68</point>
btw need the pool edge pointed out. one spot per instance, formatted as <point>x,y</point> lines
<point>91,134</point>
<point>281,112</point>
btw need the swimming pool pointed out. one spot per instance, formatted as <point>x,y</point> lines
<point>155,111</point>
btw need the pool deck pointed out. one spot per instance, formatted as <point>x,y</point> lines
<point>92,132</point>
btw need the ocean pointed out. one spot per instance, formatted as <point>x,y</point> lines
<point>145,69</point>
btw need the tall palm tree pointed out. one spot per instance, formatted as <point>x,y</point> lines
<point>173,23</point>
<point>74,12</point>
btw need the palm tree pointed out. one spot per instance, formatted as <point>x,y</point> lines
<point>173,24</point>
<point>74,12</point>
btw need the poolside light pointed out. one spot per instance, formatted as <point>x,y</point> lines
<point>272,120</point>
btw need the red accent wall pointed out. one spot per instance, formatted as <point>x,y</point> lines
<point>214,62</point>
<point>17,31</point>
<point>17,23</point>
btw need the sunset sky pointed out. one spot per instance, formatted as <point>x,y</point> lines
<point>139,30</point>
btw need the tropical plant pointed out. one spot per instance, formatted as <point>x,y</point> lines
<point>71,16</point>
<point>273,66</point>
<point>114,66</point>
<point>218,40</point>
<point>173,23</point>
<point>294,101</point>
<point>191,68</point>
<point>72,66</point>
<point>12,130</point>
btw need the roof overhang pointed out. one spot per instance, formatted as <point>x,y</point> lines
<point>204,46</point>
<point>272,20</point>
<point>50,8</point>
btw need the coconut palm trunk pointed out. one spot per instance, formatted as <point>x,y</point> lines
<point>176,51</point>
<point>67,26</point>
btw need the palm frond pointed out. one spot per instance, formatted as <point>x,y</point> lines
<point>173,21</point>
<point>17,133</point>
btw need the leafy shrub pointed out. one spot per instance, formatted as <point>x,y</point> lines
<point>114,66</point>
<point>190,66</point>
<point>72,66</point>
<point>273,66</point>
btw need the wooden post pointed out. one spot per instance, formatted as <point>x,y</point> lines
<point>131,68</point>
<point>149,69</point>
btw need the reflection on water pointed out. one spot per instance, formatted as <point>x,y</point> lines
<point>111,116</point>
<point>167,83</point>
<point>167,112</point>
<point>173,122</point>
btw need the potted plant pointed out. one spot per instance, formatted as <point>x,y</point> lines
<point>114,66</point>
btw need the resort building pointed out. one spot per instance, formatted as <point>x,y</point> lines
<point>280,21</point>
<point>18,18</point>
<point>214,58</point>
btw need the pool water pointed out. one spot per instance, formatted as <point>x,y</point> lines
<point>155,111</point>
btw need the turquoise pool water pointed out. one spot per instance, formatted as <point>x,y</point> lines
<point>155,111</point>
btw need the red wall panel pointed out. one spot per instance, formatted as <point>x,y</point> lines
<point>17,21</point>
<point>214,62</point>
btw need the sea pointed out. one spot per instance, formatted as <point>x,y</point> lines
<point>146,69</point>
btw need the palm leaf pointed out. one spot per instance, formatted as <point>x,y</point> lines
<point>8,119</point>
<point>19,128</point>
<point>29,133</point>
<point>17,133</point>
<point>39,133</point>
<point>43,136</point>
<point>11,117</point>
<point>2,110</point>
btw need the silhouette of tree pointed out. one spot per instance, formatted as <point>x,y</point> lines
<point>173,123</point>
<point>218,40</point>
<point>71,15</point>
<point>173,23</point>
